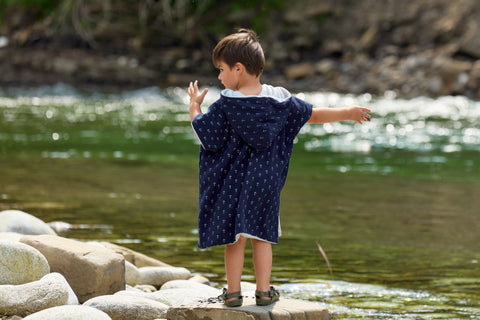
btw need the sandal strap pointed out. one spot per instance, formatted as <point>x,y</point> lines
<point>226,295</point>
<point>271,293</point>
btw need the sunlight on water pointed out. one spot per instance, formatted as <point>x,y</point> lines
<point>447,124</point>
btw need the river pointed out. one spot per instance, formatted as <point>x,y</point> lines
<point>394,203</point>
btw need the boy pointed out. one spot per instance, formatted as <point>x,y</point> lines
<point>247,139</point>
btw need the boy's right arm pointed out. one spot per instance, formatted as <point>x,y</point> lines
<point>196,99</point>
<point>325,115</point>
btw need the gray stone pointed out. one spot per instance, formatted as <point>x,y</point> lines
<point>123,307</point>
<point>25,299</point>
<point>136,258</point>
<point>14,236</point>
<point>90,270</point>
<point>284,309</point>
<point>172,297</point>
<point>131,274</point>
<point>157,276</point>
<point>22,222</point>
<point>69,313</point>
<point>20,263</point>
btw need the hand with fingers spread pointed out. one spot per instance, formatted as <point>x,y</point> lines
<point>196,98</point>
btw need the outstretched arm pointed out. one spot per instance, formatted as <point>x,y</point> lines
<point>196,99</point>
<point>324,115</point>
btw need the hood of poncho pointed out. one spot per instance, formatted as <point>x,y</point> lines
<point>257,119</point>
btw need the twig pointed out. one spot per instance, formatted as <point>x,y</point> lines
<point>325,257</point>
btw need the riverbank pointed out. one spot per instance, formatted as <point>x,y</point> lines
<point>413,48</point>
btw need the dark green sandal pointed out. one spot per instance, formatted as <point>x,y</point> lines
<point>234,302</point>
<point>273,294</point>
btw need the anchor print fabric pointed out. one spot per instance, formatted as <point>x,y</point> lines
<point>244,158</point>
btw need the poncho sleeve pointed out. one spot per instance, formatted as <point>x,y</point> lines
<point>300,113</point>
<point>211,128</point>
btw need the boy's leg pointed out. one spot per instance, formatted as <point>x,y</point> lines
<point>262,261</point>
<point>234,257</point>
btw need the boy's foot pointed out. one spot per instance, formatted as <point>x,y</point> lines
<point>266,298</point>
<point>232,299</point>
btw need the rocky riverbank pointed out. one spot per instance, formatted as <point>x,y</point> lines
<point>44,276</point>
<point>409,47</point>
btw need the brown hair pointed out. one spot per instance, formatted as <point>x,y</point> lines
<point>242,47</point>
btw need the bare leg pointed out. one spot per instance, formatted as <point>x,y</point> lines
<point>262,260</point>
<point>234,257</point>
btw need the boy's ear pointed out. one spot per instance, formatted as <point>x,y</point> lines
<point>238,67</point>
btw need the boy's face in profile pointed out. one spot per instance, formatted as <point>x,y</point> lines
<point>228,76</point>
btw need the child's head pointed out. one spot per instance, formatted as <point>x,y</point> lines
<point>242,47</point>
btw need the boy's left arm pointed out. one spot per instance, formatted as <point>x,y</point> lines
<point>196,99</point>
<point>325,115</point>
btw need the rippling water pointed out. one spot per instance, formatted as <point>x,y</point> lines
<point>393,202</point>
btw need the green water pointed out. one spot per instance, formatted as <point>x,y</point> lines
<point>394,203</point>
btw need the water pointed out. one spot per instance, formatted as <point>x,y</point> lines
<point>394,202</point>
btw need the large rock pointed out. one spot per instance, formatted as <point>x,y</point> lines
<point>136,258</point>
<point>91,270</point>
<point>22,222</point>
<point>20,263</point>
<point>157,276</point>
<point>284,309</point>
<point>176,296</point>
<point>22,300</point>
<point>120,307</point>
<point>69,313</point>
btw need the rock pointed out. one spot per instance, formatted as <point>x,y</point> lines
<point>50,291</point>
<point>300,71</point>
<point>157,276</point>
<point>22,222</point>
<point>91,270</point>
<point>200,279</point>
<point>170,297</point>
<point>120,307</point>
<point>14,236</point>
<point>20,263</point>
<point>136,258</point>
<point>132,274</point>
<point>69,313</point>
<point>187,284</point>
<point>284,309</point>
<point>145,288</point>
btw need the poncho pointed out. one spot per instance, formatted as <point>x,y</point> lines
<point>246,144</point>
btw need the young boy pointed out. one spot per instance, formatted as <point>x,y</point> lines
<point>247,139</point>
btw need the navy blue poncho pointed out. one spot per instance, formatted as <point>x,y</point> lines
<point>246,142</point>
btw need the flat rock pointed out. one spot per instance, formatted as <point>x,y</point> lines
<point>90,270</point>
<point>69,313</point>
<point>21,263</point>
<point>24,299</point>
<point>284,309</point>
<point>120,307</point>
<point>22,222</point>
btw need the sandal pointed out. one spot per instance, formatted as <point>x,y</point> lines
<point>234,302</point>
<point>273,294</point>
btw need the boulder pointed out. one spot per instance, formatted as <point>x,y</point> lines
<point>132,274</point>
<point>136,258</point>
<point>20,263</point>
<point>91,270</point>
<point>24,299</point>
<point>177,292</point>
<point>169,297</point>
<point>14,236</point>
<point>157,276</point>
<point>22,222</point>
<point>120,307</point>
<point>69,313</point>
<point>187,284</point>
<point>284,309</point>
